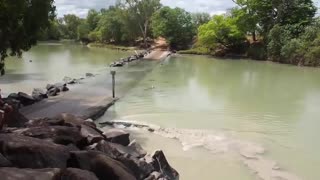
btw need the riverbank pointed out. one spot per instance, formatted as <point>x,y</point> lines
<point>114,47</point>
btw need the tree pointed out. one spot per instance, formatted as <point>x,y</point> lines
<point>83,31</point>
<point>71,23</point>
<point>175,25</point>
<point>283,12</point>
<point>199,19</point>
<point>141,12</point>
<point>20,23</point>
<point>221,30</point>
<point>93,18</point>
<point>246,20</point>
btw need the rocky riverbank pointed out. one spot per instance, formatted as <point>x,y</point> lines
<point>68,147</point>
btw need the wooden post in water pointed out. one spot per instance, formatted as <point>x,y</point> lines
<point>113,73</point>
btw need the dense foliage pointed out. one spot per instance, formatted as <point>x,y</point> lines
<point>175,25</point>
<point>20,23</point>
<point>278,30</point>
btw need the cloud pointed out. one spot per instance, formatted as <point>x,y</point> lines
<point>81,7</point>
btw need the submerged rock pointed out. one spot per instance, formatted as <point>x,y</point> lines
<point>89,75</point>
<point>39,94</point>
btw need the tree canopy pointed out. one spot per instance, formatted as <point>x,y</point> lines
<point>175,25</point>
<point>20,23</point>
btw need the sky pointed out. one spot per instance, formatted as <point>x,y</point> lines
<point>81,7</point>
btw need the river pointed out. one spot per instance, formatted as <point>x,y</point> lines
<point>215,119</point>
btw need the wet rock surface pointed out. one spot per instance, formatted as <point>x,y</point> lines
<point>70,148</point>
<point>124,61</point>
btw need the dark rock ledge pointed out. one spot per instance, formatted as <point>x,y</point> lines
<point>136,57</point>
<point>70,148</point>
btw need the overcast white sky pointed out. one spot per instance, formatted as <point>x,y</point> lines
<point>81,7</point>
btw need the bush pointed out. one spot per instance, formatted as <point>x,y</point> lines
<point>257,51</point>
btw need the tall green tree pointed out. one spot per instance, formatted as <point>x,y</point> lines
<point>71,23</point>
<point>200,18</point>
<point>93,18</point>
<point>140,12</point>
<point>20,23</point>
<point>221,30</point>
<point>175,25</point>
<point>282,12</point>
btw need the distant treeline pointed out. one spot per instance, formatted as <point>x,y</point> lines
<point>129,22</point>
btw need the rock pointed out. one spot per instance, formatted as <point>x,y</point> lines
<point>69,80</point>
<point>77,174</point>
<point>116,150</point>
<point>27,152</point>
<point>140,168</point>
<point>4,162</point>
<point>46,174</point>
<point>58,134</point>
<point>118,136</point>
<point>161,165</point>
<point>137,150</point>
<point>53,91</point>
<point>49,86</point>
<point>13,96</point>
<point>89,75</point>
<point>71,120</point>
<point>45,122</point>
<point>39,94</point>
<point>16,119</point>
<point>61,86</point>
<point>29,174</point>
<point>154,176</point>
<point>25,99</point>
<point>126,155</point>
<point>91,134</point>
<point>101,165</point>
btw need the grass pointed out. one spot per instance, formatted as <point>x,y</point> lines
<point>196,50</point>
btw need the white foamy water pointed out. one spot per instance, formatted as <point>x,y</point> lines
<point>249,153</point>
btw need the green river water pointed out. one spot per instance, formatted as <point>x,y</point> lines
<point>215,119</point>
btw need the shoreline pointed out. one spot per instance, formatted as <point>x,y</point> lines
<point>50,117</point>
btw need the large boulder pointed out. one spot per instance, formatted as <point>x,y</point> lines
<point>25,99</point>
<point>101,165</point>
<point>58,134</point>
<point>161,164</point>
<point>92,135</point>
<point>77,174</point>
<point>28,152</point>
<point>116,150</point>
<point>4,162</point>
<point>53,91</point>
<point>72,120</point>
<point>127,156</point>
<point>46,174</point>
<point>29,174</point>
<point>118,136</point>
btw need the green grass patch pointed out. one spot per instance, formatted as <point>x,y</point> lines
<point>196,50</point>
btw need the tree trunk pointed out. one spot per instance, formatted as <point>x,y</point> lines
<point>254,37</point>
